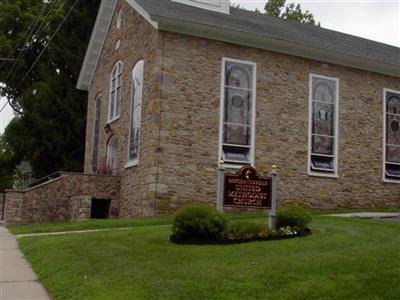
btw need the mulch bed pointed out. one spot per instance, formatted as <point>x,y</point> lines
<point>197,241</point>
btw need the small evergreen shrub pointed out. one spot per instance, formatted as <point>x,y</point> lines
<point>293,216</point>
<point>199,222</point>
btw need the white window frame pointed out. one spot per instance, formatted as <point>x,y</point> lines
<point>119,19</point>
<point>222,109</point>
<point>111,118</point>
<point>112,144</point>
<point>134,162</point>
<point>310,172</point>
<point>385,91</point>
<point>98,96</point>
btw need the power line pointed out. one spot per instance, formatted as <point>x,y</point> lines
<point>31,33</point>
<point>42,24</point>
<point>28,32</point>
<point>34,32</point>
<point>49,41</point>
<point>4,106</point>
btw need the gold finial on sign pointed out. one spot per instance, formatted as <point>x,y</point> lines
<point>221,162</point>
<point>274,168</point>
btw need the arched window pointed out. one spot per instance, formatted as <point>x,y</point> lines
<point>237,131</point>
<point>323,126</point>
<point>392,135</point>
<point>112,150</point>
<point>96,132</point>
<point>135,113</point>
<point>119,19</point>
<point>115,92</point>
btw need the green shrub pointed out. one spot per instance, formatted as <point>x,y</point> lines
<point>199,222</point>
<point>294,216</point>
<point>246,230</point>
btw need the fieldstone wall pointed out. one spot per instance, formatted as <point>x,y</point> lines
<point>13,206</point>
<point>180,122</point>
<point>61,199</point>
<point>137,40</point>
<point>190,126</point>
<point>2,199</point>
<point>80,207</point>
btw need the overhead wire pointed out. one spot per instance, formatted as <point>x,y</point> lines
<point>4,106</point>
<point>48,42</point>
<point>27,35</point>
<point>36,33</point>
<point>33,33</point>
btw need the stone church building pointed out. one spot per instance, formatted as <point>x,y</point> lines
<point>176,86</point>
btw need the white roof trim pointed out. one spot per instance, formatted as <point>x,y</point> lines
<point>99,33</point>
<point>142,12</point>
<point>107,8</point>
<point>222,6</point>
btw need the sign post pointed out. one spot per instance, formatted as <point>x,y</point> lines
<point>220,191</point>
<point>272,210</point>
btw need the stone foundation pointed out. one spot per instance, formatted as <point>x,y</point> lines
<point>80,207</point>
<point>65,198</point>
<point>2,199</point>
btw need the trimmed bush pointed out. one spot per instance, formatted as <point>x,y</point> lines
<point>294,216</point>
<point>199,222</point>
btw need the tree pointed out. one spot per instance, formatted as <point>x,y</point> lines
<point>275,8</point>
<point>50,128</point>
<point>6,166</point>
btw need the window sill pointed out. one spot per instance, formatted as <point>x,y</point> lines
<point>317,174</point>
<point>234,166</point>
<point>131,164</point>
<point>391,181</point>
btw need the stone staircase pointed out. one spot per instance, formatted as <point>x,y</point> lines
<point>66,197</point>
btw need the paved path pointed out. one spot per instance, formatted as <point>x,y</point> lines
<point>69,232</point>
<point>394,217</point>
<point>81,231</point>
<point>17,280</point>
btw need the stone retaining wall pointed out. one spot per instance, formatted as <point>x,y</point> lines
<point>60,199</point>
<point>2,198</point>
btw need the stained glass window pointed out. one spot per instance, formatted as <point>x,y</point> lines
<point>237,116</point>
<point>135,112</point>
<point>392,135</point>
<point>112,150</point>
<point>96,132</point>
<point>323,135</point>
<point>115,92</point>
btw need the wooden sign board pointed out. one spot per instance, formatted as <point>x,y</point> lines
<point>247,189</point>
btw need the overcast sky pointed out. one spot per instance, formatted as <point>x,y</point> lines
<point>377,20</point>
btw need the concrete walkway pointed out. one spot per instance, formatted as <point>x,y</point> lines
<point>395,217</point>
<point>17,280</point>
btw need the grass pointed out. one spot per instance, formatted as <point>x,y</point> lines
<point>120,223</point>
<point>87,225</point>
<point>342,259</point>
<point>111,223</point>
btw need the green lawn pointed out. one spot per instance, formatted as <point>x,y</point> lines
<point>342,259</point>
<point>90,224</point>
<point>113,223</point>
<point>120,223</point>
